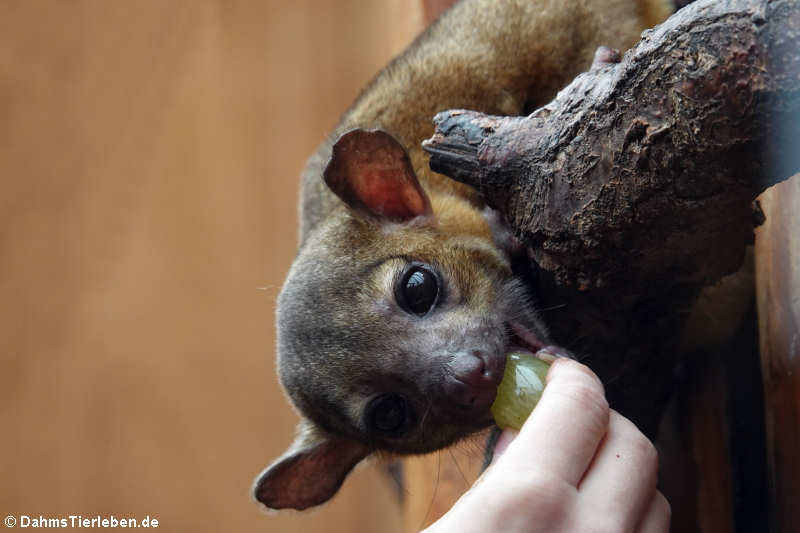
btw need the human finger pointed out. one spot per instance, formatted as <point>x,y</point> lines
<point>565,428</point>
<point>505,438</point>
<point>657,517</point>
<point>621,480</point>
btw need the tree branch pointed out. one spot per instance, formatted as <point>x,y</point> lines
<point>634,188</point>
<point>649,165</point>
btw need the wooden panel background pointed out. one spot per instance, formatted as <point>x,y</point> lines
<point>778,298</point>
<point>149,156</point>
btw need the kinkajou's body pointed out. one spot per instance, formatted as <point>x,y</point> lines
<point>398,311</point>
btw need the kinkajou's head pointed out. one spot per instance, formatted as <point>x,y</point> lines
<point>393,324</point>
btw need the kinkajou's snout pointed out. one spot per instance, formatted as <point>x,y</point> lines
<point>472,378</point>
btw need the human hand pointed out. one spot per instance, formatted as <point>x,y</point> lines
<point>576,466</point>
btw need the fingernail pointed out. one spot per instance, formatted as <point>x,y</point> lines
<point>556,351</point>
<point>546,356</point>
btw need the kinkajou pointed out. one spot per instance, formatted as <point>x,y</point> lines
<point>400,306</point>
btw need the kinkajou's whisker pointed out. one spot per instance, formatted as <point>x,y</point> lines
<point>435,489</point>
<point>458,467</point>
<point>551,308</point>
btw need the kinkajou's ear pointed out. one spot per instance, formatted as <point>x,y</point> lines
<point>372,173</point>
<point>310,472</point>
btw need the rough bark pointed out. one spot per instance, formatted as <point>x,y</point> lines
<point>633,189</point>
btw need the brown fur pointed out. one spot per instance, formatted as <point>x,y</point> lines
<point>522,53</point>
<point>343,338</point>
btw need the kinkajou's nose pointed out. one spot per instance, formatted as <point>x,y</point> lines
<point>473,378</point>
<point>476,368</point>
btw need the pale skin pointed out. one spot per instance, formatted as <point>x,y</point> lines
<point>576,466</point>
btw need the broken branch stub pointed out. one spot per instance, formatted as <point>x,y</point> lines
<point>640,175</point>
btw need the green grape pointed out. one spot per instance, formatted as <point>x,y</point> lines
<point>520,390</point>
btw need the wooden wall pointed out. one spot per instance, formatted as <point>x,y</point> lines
<point>778,299</point>
<point>149,154</point>
<point>149,157</point>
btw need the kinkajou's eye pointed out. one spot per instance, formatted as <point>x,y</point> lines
<point>386,414</point>
<point>418,290</point>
